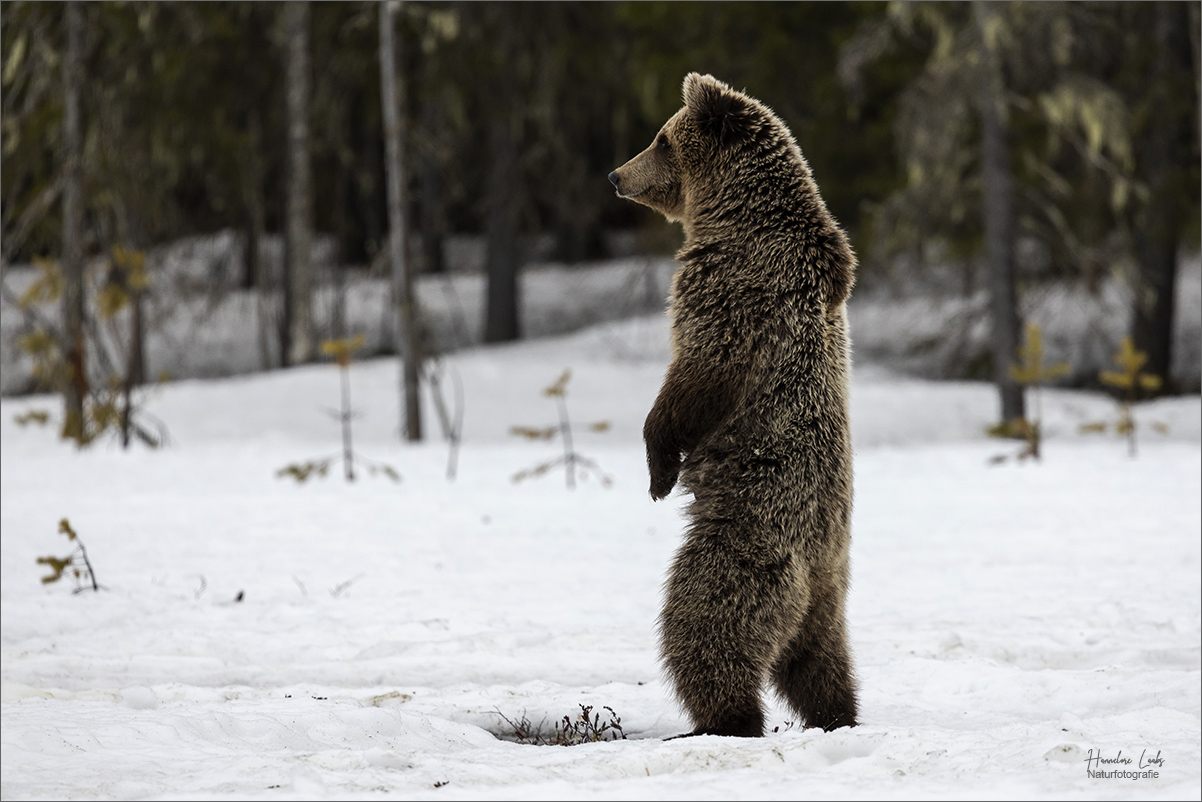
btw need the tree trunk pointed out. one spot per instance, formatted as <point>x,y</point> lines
<point>344,193</point>
<point>1160,165</point>
<point>501,229</point>
<point>503,191</point>
<point>342,198</point>
<point>259,274</point>
<point>299,230</point>
<point>135,370</point>
<point>76,388</point>
<point>431,188</point>
<point>265,287</point>
<point>402,280</point>
<point>997,208</point>
<point>250,251</point>
<point>432,236</point>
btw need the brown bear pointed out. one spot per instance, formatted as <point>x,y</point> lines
<point>752,416</point>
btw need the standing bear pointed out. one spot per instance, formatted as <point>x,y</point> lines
<point>752,416</point>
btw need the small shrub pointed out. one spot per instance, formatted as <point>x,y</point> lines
<point>1030,372</point>
<point>116,403</point>
<point>341,350</point>
<point>571,460</point>
<point>38,417</point>
<point>586,728</point>
<point>76,563</point>
<point>1129,380</point>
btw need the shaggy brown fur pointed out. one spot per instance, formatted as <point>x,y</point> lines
<point>752,416</point>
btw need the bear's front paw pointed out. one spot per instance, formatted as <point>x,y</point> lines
<point>663,479</point>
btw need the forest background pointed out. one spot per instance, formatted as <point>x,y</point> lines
<point>991,145</point>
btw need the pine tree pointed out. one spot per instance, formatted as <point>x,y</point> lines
<point>1129,380</point>
<point>1032,372</point>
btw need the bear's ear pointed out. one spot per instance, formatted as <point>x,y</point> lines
<point>718,110</point>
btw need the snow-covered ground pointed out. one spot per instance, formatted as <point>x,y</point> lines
<point>208,329</point>
<point>1007,618</point>
<point>200,325</point>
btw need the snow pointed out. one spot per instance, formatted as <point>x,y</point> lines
<point>921,324</point>
<point>1007,618</point>
<point>201,325</point>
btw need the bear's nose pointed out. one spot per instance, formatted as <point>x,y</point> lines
<point>615,179</point>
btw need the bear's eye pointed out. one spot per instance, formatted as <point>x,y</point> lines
<point>662,143</point>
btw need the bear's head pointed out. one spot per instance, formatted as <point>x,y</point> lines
<point>715,132</point>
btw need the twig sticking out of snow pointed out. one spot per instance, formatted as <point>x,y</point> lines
<point>77,561</point>
<point>570,459</point>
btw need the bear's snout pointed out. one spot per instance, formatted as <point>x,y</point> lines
<point>615,179</point>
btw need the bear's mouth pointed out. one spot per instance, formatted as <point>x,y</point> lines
<point>618,192</point>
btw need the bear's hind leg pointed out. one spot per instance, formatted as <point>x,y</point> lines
<point>814,674</point>
<point>722,620</point>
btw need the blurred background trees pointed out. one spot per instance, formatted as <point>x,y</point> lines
<point>512,115</point>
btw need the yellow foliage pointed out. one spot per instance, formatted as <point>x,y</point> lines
<point>64,526</point>
<point>533,434</point>
<point>1032,370</point>
<point>342,349</point>
<point>39,416</point>
<point>1129,359</point>
<point>111,299</point>
<point>1016,428</point>
<point>128,258</point>
<point>48,366</point>
<point>104,413</point>
<point>57,565</point>
<point>560,387</point>
<point>301,471</point>
<point>133,263</point>
<point>37,343</point>
<point>47,287</point>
